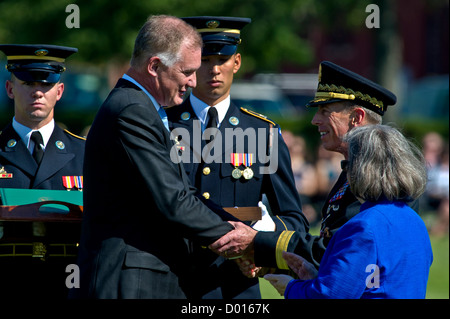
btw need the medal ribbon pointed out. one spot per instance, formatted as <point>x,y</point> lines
<point>68,181</point>
<point>237,159</point>
<point>248,159</point>
<point>79,182</point>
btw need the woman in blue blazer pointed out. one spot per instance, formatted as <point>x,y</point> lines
<point>385,250</point>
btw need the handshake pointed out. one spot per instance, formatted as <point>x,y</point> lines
<point>238,243</point>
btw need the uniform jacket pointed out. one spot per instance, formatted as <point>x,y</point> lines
<point>215,181</point>
<point>138,205</point>
<point>60,159</point>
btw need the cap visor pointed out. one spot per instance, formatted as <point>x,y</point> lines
<point>219,49</point>
<point>322,101</point>
<point>37,76</point>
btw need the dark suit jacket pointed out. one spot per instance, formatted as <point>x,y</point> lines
<point>138,204</point>
<point>215,277</point>
<point>66,160</point>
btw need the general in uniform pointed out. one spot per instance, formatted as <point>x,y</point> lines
<point>245,160</point>
<point>336,84</point>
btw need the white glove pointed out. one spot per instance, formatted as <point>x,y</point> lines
<point>266,223</point>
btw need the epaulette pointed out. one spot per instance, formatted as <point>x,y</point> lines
<point>260,116</point>
<point>79,137</point>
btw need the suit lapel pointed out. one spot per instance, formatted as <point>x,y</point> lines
<point>191,125</point>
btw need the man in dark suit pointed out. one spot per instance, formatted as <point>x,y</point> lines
<point>141,215</point>
<point>35,153</point>
<point>237,173</point>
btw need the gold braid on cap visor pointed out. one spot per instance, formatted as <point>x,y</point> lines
<point>326,92</point>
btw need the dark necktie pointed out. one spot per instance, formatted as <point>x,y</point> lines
<point>212,123</point>
<point>212,115</point>
<point>38,152</point>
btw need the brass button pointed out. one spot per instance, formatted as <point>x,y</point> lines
<point>206,195</point>
<point>206,171</point>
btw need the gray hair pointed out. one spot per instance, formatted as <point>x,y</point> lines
<point>384,163</point>
<point>163,36</point>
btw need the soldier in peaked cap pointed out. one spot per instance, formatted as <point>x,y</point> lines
<point>35,153</point>
<point>239,183</point>
<point>33,148</point>
<point>343,100</point>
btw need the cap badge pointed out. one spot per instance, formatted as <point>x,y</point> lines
<point>185,116</point>
<point>234,120</point>
<point>60,145</point>
<point>41,52</point>
<point>212,24</point>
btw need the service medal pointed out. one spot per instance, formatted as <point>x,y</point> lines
<point>236,173</point>
<point>236,161</point>
<point>248,161</point>
<point>247,173</point>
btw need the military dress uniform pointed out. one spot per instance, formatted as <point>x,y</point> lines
<point>63,157</point>
<point>37,273</point>
<point>229,176</point>
<point>217,182</point>
<point>336,84</point>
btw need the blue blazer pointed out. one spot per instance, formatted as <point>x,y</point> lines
<point>382,252</point>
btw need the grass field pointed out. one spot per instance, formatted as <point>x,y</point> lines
<point>438,287</point>
<point>438,281</point>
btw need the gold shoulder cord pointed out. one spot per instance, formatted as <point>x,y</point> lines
<point>74,135</point>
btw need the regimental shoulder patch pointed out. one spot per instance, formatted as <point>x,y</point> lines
<point>76,136</point>
<point>260,116</point>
